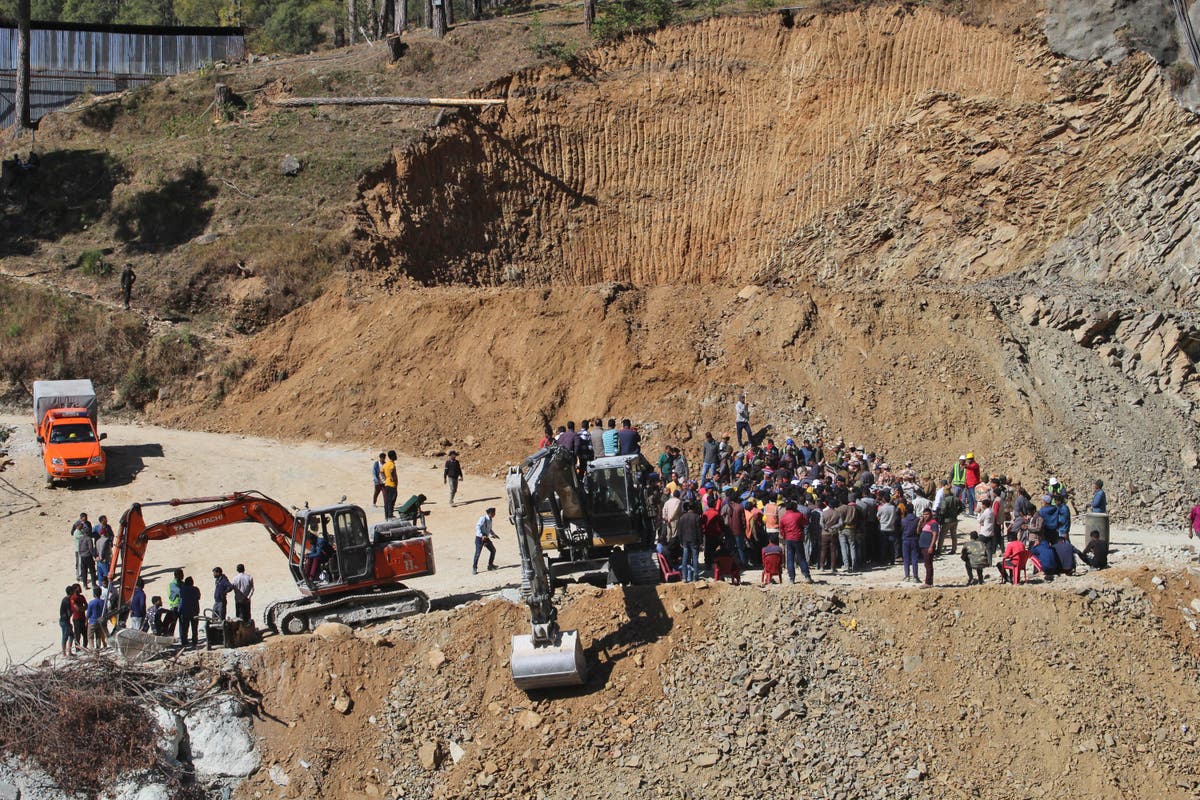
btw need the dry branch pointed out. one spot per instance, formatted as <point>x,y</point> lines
<point>53,715</point>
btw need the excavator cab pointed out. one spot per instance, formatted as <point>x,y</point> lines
<point>617,500</point>
<point>331,546</point>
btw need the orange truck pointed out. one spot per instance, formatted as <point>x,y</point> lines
<point>64,414</point>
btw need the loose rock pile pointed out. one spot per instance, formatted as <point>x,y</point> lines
<point>1081,687</point>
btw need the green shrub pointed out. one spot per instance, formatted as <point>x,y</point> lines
<point>138,387</point>
<point>614,20</point>
<point>91,262</point>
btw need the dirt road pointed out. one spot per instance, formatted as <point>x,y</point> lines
<point>149,463</point>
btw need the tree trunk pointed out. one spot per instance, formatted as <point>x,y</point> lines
<point>449,4</point>
<point>339,36</point>
<point>439,18</point>
<point>351,21</point>
<point>589,14</point>
<point>474,9</point>
<point>24,119</point>
<point>401,16</point>
<point>395,47</point>
<point>384,21</point>
<point>427,14</point>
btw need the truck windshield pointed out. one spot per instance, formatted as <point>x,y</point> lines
<point>72,432</point>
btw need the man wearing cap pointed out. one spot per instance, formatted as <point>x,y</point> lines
<point>451,474</point>
<point>973,479</point>
<point>958,477</point>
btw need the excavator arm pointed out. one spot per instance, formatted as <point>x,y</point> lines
<point>548,656</point>
<point>129,550</point>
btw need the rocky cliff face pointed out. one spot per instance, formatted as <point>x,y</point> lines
<point>928,235</point>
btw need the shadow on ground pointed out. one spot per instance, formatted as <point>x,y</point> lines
<point>68,191</point>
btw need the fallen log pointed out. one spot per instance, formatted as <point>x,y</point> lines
<point>449,102</point>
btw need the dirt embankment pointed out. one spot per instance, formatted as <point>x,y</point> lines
<point>994,693</point>
<point>937,196</point>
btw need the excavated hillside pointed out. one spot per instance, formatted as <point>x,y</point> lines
<point>696,691</point>
<point>936,236</point>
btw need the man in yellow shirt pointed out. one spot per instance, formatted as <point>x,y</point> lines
<point>389,485</point>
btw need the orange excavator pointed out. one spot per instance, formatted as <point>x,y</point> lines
<point>345,571</point>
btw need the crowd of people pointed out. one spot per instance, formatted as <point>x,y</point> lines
<point>84,622</point>
<point>806,504</point>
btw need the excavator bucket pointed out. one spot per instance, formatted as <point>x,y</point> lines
<point>547,666</point>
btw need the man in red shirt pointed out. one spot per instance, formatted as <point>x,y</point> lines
<point>793,524</point>
<point>973,479</point>
<point>713,529</point>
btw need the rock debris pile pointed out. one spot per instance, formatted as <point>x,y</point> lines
<point>1082,687</point>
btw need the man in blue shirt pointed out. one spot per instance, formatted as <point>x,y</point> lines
<point>629,441</point>
<point>1063,517</point>
<point>1099,499</point>
<point>609,439</point>
<point>137,607</point>
<point>377,477</point>
<point>1043,551</point>
<point>97,631</point>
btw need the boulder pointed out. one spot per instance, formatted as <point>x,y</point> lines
<point>220,741</point>
<point>333,630</point>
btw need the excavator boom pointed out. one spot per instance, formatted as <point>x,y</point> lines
<point>129,550</point>
<point>548,656</point>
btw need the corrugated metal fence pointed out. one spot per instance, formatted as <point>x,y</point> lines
<point>67,60</point>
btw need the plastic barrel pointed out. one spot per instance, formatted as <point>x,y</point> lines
<point>1093,521</point>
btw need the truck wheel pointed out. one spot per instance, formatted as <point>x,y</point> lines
<point>100,478</point>
<point>49,481</point>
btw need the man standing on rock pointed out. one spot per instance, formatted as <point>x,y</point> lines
<point>222,586</point>
<point>610,439</point>
<point>390,485</point>
<point>629,441</point>
<point>483,540</point>
<point>741,411</point>
<point>452,473</point>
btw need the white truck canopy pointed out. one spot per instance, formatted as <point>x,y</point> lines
<point>49,395</point>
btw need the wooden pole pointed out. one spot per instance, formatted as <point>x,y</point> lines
<point>24,118</point>
<point>449,102</point>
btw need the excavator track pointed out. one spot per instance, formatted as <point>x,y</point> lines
<point>305,614</point>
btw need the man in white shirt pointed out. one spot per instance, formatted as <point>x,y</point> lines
<point>483,540</point>
<point>243,590</point>
<point>742,412</point>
